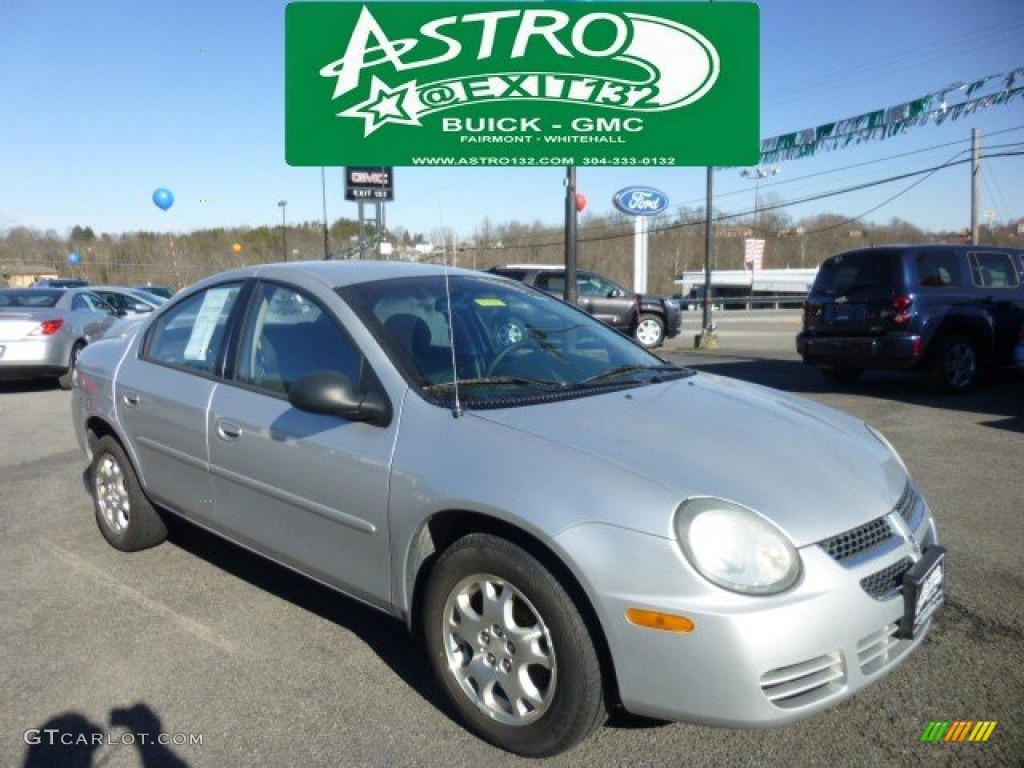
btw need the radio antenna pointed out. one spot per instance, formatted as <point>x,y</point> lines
<point>457,410</point>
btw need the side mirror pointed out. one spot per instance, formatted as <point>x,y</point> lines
<point>616,293</point>
<point>140,308</point>
<point>333,394</point>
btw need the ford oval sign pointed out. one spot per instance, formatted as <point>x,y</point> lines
<point>640,201</point>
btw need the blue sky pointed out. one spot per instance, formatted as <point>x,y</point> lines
<point>105,101</point>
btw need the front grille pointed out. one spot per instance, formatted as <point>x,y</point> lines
<point>860,539</point>
<point>801,684</point>
<point>887,581</point>
<point>857,540</point>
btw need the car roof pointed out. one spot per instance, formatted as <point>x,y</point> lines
<point>334,274</point>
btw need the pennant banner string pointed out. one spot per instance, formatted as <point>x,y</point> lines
<point>885,123</point>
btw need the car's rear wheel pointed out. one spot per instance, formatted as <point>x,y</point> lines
<point>67,378</point>
<point>650,330</point>
<point>126,518</point>
<point>511,649</point>
<point>956,364</point>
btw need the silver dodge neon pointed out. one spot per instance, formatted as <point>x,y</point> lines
<point>569,522</point>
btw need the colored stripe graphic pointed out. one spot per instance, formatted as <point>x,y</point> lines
<point>982,730</point>
<point>958,730</point>
<point>935,730</point>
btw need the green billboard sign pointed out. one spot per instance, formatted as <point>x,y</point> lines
<point>521,83</point>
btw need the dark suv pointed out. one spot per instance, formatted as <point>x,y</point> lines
<point>648,318</point>
<point>948,310</point>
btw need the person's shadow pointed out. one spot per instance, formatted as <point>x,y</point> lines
<point>71,740</point>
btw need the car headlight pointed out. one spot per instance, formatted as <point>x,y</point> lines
<point>736,548</point>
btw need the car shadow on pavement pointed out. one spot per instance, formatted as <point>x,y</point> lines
<point>27,385</point>
<point>1000,395</point>
<point>386,636</point>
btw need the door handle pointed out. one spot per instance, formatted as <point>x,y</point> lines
<point>228,430</point>
<point>130,397</point>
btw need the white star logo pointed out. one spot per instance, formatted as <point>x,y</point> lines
<point>386,105</point>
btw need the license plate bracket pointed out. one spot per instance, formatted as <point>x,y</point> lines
<point>924,590</point>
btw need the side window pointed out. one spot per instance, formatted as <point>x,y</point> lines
<point>287,336</point>
<point>81,303</point>
<point>993,270</point>
<point>937,269</point>
<point>192,334</point>
<point>552,283</point>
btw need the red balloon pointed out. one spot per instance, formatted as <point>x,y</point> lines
<point>581,202</point>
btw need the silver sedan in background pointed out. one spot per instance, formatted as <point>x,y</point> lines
<point>128,302</point>
<point>570,523</point>
<point>42,330</point>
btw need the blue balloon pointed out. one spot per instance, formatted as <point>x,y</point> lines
<point>74,258</point>
<point>163,199</point>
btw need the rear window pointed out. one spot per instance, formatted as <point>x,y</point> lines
<point>30,298</point>
<point>858,271</point>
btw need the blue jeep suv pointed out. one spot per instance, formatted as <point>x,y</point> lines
<point>950,311</point>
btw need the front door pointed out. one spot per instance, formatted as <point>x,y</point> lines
<point>308,490</point>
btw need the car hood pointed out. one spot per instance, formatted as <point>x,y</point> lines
<point>812,470</point>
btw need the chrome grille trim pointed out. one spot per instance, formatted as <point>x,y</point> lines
<point>887,582</point>
<point>805,683</point>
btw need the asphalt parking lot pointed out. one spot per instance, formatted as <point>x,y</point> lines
<point>203,642</point>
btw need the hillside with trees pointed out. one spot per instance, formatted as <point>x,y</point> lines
<point>676,244</point>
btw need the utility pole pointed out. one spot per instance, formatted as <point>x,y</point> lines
<point>975,182</point>
<point>706,338</point>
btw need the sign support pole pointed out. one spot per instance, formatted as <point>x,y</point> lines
<point>570,235</point>
<point>362,230</point>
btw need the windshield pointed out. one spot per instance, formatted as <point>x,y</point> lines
<point>512,345</point>
<point>857,272</point>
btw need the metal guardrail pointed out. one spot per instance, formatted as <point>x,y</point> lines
<point>744,302</point>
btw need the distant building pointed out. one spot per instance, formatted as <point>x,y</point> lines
<point>23,275</point>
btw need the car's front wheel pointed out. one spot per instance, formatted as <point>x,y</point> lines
<point>510,648</point>
<point>650,330</point>
<point>126,518</point>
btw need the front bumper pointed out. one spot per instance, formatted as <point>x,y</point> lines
<point>898,351</point>
<point>749,662</point>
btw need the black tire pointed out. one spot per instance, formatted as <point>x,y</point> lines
<point>126,518</point>
<point>955,364</point>
<point>841,376</point>
<point>65,379</point>
<point>560,697</point>
<point>650,330</point>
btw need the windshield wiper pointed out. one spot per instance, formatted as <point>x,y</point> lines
<point>624,370</point>
<point>496,381</point>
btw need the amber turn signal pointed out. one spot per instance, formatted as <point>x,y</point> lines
<point>655,620</point>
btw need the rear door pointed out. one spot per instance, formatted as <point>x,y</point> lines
<point>163,393</point>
